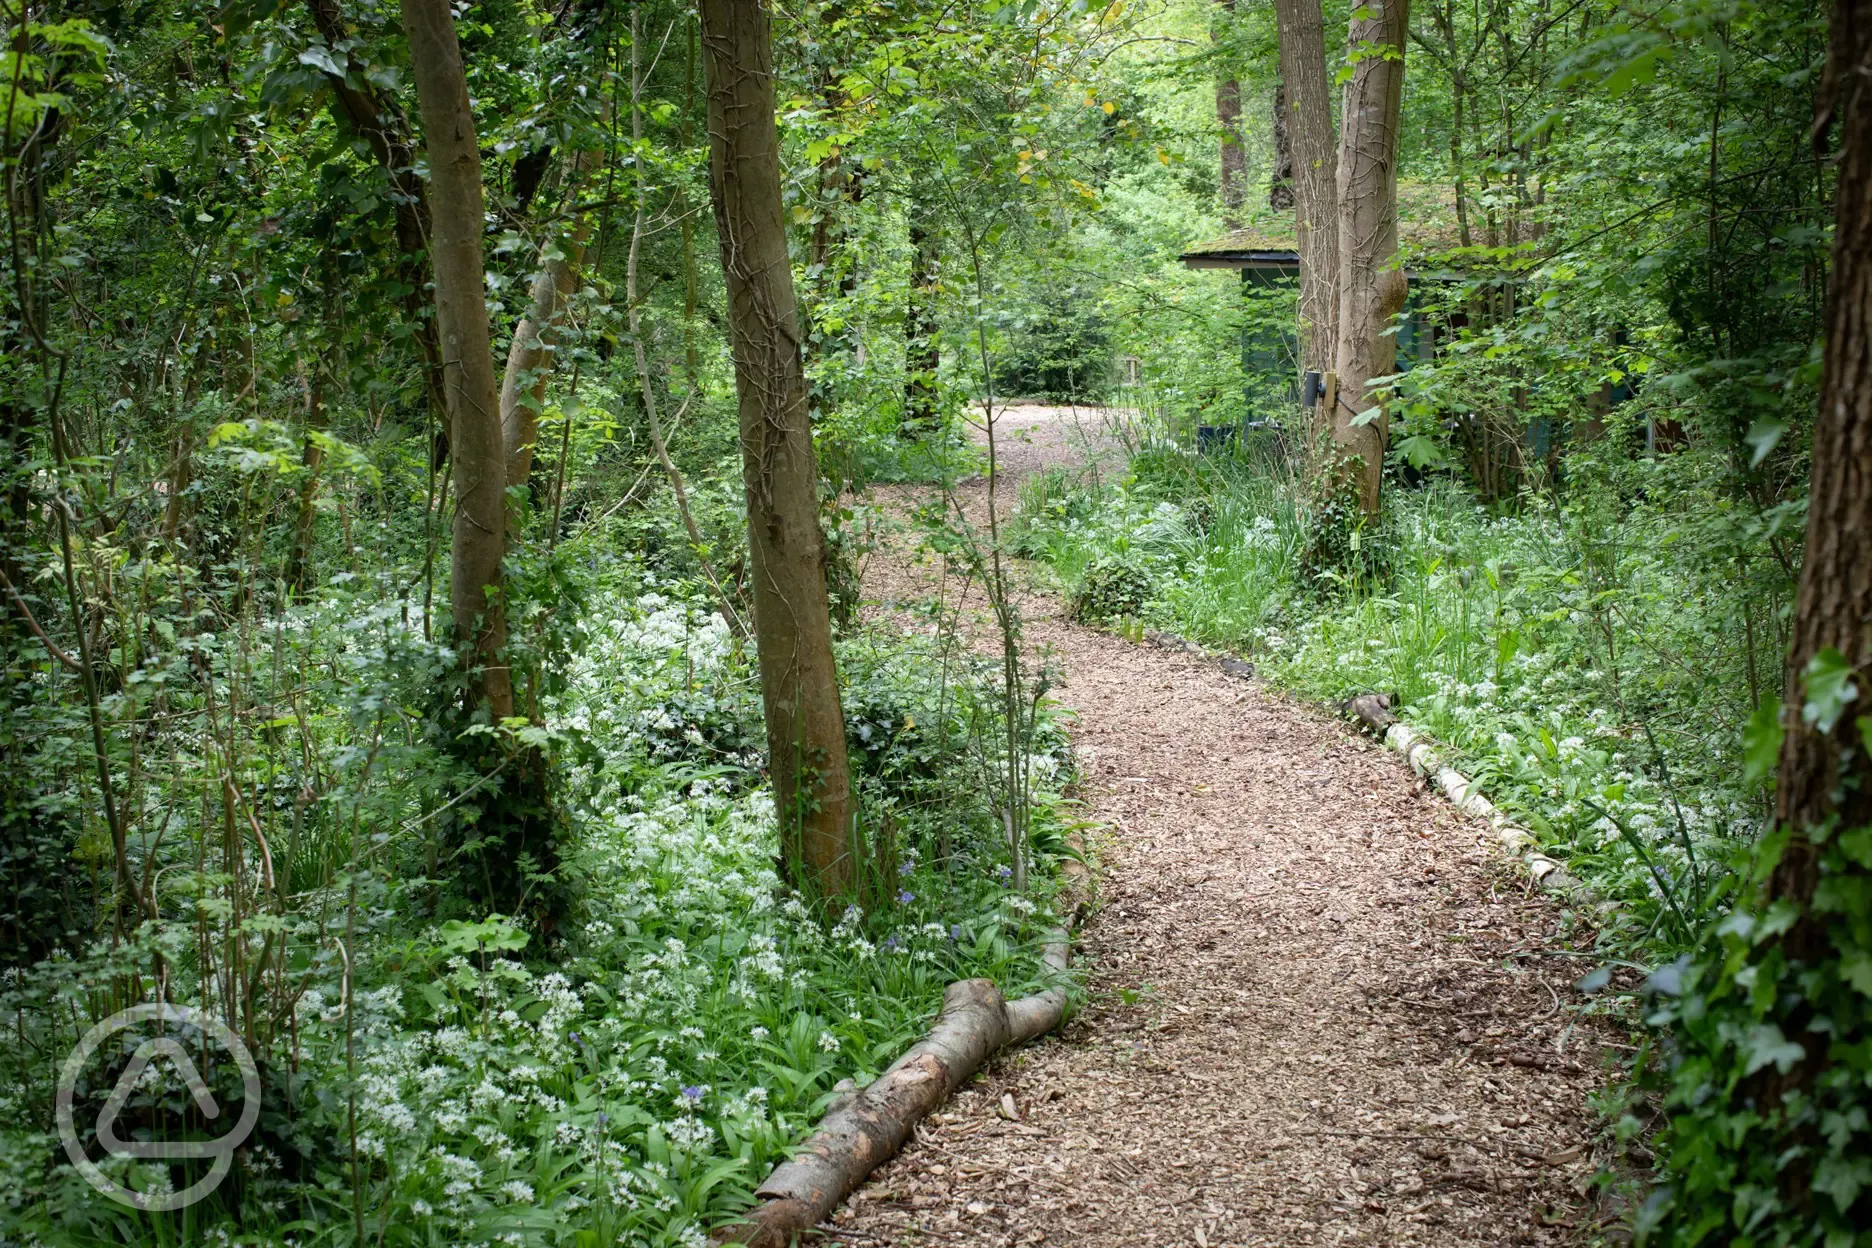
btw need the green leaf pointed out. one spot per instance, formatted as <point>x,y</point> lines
<point>1842,1178</point>
<point>1767,1046</point>
<point>1828,682</point>
<point>1763,435</point>
<point>319,57</point>
<point>1594,981</point>
<point>1421,452</point>
<point>1366,417</point>
<point>1761,741</point>
<point>1857,971</point>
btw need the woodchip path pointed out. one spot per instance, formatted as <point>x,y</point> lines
<point>1322,1008</point>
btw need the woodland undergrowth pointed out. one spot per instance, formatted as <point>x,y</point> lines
<point>1594,655</point>
<point>437,1075</point>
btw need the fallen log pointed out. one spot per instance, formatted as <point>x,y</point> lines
<point>866,1129</point>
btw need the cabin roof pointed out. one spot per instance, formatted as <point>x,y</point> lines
<point>1426,225</point>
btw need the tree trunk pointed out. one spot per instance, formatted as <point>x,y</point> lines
<point>375,116</point>
<point>536,338</point>
<point>1809,984</point>
<point>456,209</point>
<point>1827,776</point>
<point>1234,168</point>
<point>792,619</point>
<point>1371,285</point>
<point>1315,163</point>
<point>1280,183</point>
<point>867,1128</point>
<point>312,458</point>
<point>922,351</point>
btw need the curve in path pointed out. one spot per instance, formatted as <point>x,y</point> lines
<point>1321,1006</point>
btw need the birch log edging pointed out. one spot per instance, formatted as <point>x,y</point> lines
<point>866,1129</point>
<point>1419,750</point>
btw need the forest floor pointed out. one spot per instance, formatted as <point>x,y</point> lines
<point>1322,1007</point>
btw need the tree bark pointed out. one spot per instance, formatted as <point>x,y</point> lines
<point>535,344</point>
<point>1823,791</point>
<point>1280,184</point>
<point>456,211</point>
<point>1234,166</point>
<point>868,1128</point>
<point>1371,284</point>
<point>375,117</point>
<point>312,458</point>
<point>1315,166</point>
<point>1826,777</point>
<point>922,351</point>
<point>787,557</point>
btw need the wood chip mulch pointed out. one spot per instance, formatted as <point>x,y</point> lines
<point>1322,1007</point>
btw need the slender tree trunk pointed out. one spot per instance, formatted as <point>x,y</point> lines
<point>312,458</point>
<point>922,350</point>
<point>1371,284</point>
<point>1234,166</point>
<point>1281,182</point>
<point>535,345</point>
<point>792,619</point>
<point>456,208</point>
<point>692,362</point>
<point>1315,162</point>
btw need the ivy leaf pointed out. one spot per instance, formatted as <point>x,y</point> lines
<point>1761,741</point>
<point>319,57</point>
<point>1842,1178</point>
<point>1767,1046</point>
<point>1667,980</point>
<point>1829,685</point>
<point>1857,971</point>
<point>1594,981</point>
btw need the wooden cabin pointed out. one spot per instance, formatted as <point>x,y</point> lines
<point>1264,252</point>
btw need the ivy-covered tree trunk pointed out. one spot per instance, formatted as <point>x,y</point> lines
<point>1823,794</point>
<point>787,557</point>
<point>456,223</point>
<point>1826,776</point>
<point>1315,176</point>
<point>1773,1085</point>
<point>534,350</point>
<point>1371,285</point>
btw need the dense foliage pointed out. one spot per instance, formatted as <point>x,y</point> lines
<point>242,768</point>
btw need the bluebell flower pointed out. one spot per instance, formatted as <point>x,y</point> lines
<point>905,867</point>
<point>905,897</point>
<point>890,944</point>
<point>955,931</point>
<point>692,1094</point>
<point>1005,872</point>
